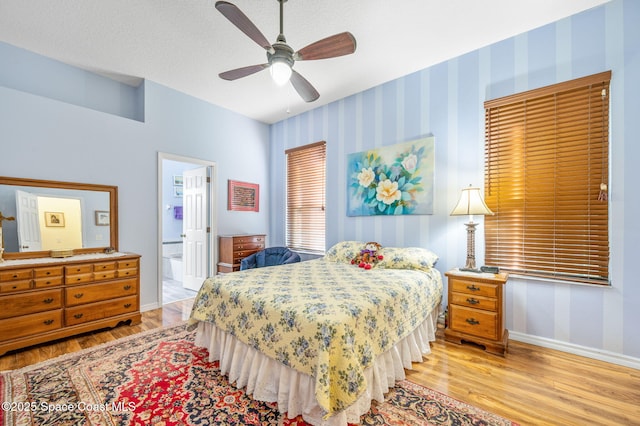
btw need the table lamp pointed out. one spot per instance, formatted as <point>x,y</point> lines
<point>471,203</point>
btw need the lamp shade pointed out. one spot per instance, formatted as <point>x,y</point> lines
<point>280,72</point>
<point>470,203</point>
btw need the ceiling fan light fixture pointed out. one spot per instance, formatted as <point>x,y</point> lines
<point>280,71</point>
<point>280,56</point>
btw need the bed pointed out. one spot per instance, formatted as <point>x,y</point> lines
<point>322,338</point>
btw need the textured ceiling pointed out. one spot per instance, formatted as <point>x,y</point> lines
<point>184,44</point>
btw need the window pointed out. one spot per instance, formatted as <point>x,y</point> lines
<point>306,167</point>
<point>546,171</point>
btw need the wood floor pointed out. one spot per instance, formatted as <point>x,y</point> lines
<point>531,385</point>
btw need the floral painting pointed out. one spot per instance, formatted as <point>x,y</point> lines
<point>392,180</point>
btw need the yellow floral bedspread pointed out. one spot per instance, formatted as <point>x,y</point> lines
<point>326,319</point>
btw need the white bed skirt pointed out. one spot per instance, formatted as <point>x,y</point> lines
<point>268,380</point>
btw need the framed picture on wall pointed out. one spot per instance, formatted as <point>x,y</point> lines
<point>243,196</point>
<point>392,180</point>
<point>54,219</point>
<point>102,218</point>
<point>178,180</point>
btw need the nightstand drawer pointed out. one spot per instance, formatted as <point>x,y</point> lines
<point>473,301</point>
<point>474,321</point>
<point>461,285</point>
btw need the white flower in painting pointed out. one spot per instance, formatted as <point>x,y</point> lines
<point>365,177</point>
<point>410,162</point>
<point>388,192</point>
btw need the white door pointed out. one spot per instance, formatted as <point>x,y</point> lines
<point>28,223</point>
<point>195,228</point>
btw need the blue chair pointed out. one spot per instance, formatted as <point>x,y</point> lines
<point>270,256</point>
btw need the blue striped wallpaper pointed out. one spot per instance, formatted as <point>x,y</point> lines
<point>446,100</point>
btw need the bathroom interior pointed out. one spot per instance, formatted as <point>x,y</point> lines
<point>172,288</point>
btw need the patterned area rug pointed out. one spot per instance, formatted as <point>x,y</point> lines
<point>159,377</point>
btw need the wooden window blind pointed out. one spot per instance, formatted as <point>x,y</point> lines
<point>305,226</point>
<point>546,157</point>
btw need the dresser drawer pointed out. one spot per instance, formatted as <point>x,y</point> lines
<point>122,273</point>
<point>128,264</point>
<point>239,255</point>
<point>48,277</point>
<point>474,321</point>
<point>55,271</point>
<point>474,287</point>
<point>104,266</point>
<point>28,325</point>
<point>104,275</point>
<point>16,275</point>
<point>248,246</point>
<point>253,240</point>
<point>78,278</point>
<point>473,301</point>
<point>100,310</point>
<point>78,269</point>
<point>47,282</point>
<point>12,287</point>
<point>79,295</point>
<point>30,303</point>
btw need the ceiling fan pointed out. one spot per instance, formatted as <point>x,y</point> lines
<point>280,56</point>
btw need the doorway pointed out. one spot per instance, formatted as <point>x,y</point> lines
<point>186,228</point>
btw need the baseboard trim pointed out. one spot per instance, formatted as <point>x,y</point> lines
<point>599,354</point>
<point>149,307</point>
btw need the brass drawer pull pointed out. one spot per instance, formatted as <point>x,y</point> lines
<point>78,295</point>
<point>473,301</point>
<point>127,287</point>
<point>78,316</point>
<point>49,300</point>
<point>47,322</point>
<point>472,287</point>
<point>472,321</point>
<point>127,305</point>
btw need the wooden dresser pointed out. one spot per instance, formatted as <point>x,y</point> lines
<point>476,310</point>
<point>233,248</point>
<point>56,298</point>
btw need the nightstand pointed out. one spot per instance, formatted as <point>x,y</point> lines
<point>476,310</point>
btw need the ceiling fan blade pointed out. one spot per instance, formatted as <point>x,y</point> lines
<point>242,72</point>
<point>330,47</point>
<point>303,87</point>
<point>240,20</point>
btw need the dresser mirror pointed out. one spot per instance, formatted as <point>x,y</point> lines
<point>37,216</point>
